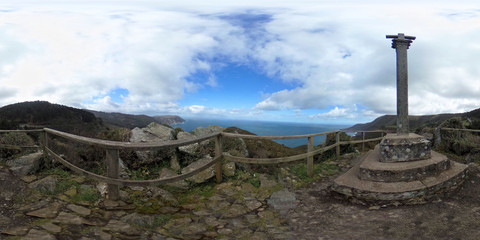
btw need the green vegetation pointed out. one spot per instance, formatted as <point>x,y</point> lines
<point>254,180</point>
<point>14,139</point>
<point>320,170</point>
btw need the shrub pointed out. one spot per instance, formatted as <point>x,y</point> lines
<point>14,139</point>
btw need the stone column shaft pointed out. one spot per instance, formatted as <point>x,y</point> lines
<point>401,43</point>
<point>402,89</point>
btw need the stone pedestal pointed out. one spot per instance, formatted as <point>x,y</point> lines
<point>404,148</point>
<point>402,168</point>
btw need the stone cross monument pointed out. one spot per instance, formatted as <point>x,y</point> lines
<point>401,43</point>
<point>403,146</point>
<point>402,168</point>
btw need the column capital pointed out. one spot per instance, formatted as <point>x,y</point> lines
<point>401,40</point>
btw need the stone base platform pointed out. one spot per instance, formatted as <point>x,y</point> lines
<point>374,170</point>
<point>404,148</point>
<point>418,181</point>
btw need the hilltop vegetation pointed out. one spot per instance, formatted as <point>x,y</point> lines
<point>389,122</point>
<point>131,121</point>
<point>39,114</point>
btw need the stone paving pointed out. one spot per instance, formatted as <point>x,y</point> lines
<point>231,210</point>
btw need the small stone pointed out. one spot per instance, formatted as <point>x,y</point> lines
<point>235,210</point>
<point>282,200</point>
<point>71,192</point>
<point>136,188</point>
<point>51,227</point>
<point>122,227</point>
<point>46,184</point>
<point>29,178</point>
<point>265,182</point>
<point>202,213</point>
<point>252,205</point>
<point>177,222</point>
<point>110,203</point>
<point>79,209</point>
<point>102,235</point>
<point>79,179</point>
<point>374,208</point>
<point>225,231</point>
<point>229,169</point>
<point>212,221</point>
<point>168,210</point>
<point>48,212</point>
<point>210,234</point>
<point>102,188</point>
<point>35,234</point>
<point>194,228</point>
<point>68,218</point>
<point>138,219</point>
<point>16,231</point>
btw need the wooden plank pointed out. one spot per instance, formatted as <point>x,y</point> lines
<point>337,141</point>
<point>458,129</point>
<point>129,145</point>
<point>310,158</point>
<point>113,191</point>
<point>123,182</point>
<point>276,160</point>
<point>218,153</point>
<point>234,135</point>
<point>21,131</point>
<point>361,141</point>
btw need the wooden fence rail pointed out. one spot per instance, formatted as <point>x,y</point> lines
<point>112,152</point>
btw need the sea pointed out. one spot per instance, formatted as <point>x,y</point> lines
<point>265,128</point>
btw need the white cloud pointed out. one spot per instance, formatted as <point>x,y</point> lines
<point>335,53</point>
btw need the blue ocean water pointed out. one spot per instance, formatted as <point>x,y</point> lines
<point>268,129</point>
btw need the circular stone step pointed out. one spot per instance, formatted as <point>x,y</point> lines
<point>350,185</point>
<point>374,170</point>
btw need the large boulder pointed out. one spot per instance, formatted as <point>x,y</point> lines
<point>154,132</point>
<point>187,148</point>
<point>167,173</point>
<point>46,184</point>
<point>26,164</point>
<point>202,131</point>
<point>203,175</point>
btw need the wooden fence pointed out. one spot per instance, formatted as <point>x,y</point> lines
<point>112,154</point>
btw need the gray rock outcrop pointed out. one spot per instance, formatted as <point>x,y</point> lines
<point>154,132</point>
<point>26,164</point>
<point>203,175</point>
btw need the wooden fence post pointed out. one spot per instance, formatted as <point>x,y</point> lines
<point>310,158</point>
<point>337,141</point>
<point>218,152</point>
<point>363,143</point>
<point>45,146</point>
<point>112,172</point>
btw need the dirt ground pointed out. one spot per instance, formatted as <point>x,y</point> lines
<point>321,214</point>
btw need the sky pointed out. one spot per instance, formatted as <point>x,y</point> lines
<point>311,61</point>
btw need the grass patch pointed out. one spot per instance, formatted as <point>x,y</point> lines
<point>254,180</point>
<point>161,220</point>
<point>86,195</point>
<point>197,193</point>
<point>320,170</point>
<point>58,172</point>
<point>64,185</point>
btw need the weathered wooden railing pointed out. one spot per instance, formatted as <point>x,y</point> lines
<point>112,155</point>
